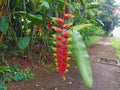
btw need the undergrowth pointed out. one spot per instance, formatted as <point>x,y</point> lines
<point>116,44</point>
<point>13,73</point>
<point>92,39</point>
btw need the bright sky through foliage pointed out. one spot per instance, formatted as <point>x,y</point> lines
<point>117,1</point>
<point>116,31</point>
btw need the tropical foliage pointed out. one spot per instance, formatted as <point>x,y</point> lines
<point>106,15</point>
<point>34,27</point>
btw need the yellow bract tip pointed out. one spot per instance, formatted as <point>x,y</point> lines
<point>66,70</point>
<point>54,49</point>
<point>68,53</point>
<point>64,78</point>
<point>69,46</point>
<point>68,58</point>
<point>69,39</point>
<point>57,68</point>
<point>54,54</point>
<point>69,31</point>
<point>53,35</point>
<point>54,42</point>
<point>53,18</point>
<point>68,65</point>
<point>56,63</point>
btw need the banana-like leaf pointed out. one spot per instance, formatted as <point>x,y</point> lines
<point>79,27</point>
<point>81,58</point>
<point>4,25</point>
<point>23,42</point>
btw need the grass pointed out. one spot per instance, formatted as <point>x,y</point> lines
<point>116,44</point>
<point>92,39</point>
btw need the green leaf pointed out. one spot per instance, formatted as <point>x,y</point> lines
<point>101,22</point>
<point>3,24</point>
<point>83,2</point>
<point>17,2</point>
<point>49,1</point>
<point>79,27</point>
<point>23,42</point>
<point>82,58</point>
<point>93,5</point>
<point>45,4</point>
<point>1,71</point>
<point>4,69</point>
<point>34,19</point>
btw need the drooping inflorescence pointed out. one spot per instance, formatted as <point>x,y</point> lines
<point>62,44</point>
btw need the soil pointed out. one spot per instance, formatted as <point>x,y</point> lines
<point>106,77</point>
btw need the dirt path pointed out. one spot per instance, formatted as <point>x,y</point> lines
<point>106,77</point>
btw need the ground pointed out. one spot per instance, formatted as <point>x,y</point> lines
<point>106,77</point>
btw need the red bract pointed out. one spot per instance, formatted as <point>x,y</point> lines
<point>65,34</point>
<point>59,61</point>
<point>58,50</point>
<point>68,16</point>
<point>62,69</point>
<point>64,53</point>
<point>59,65</point>
<point>57,29</point>
<point>65,41</point>
<point>66,26</point>
<point>66,59</point>
<point>58,44</point>
<point>58,55</point>
<point>58,37</point>
<point>65,47</point>
<point>59,20</point>
<point>62,75</point>
<point>63,65</point>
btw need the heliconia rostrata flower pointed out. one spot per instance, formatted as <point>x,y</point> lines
<point>38,28</point>
<point>49,25</point>
<point>62,44</point>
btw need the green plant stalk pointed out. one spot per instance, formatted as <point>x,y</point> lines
<point>29,54</point>
<point>81,58</point>
<point>31,43</point>
<point>3,59</point>
<point>13,33</point>
<point>7,4</point>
